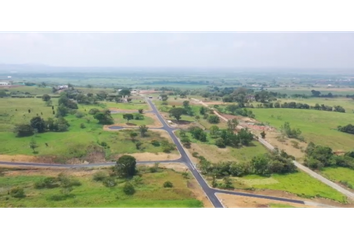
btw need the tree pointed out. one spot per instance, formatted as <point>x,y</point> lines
<point>213,119</point>
<point>143,129</point>
<point>93,111</point>
<point>177,113</point>
<point>45,97</point>
<point>3,93</point>
<point>133,135</point>
<point>125,92</point>
<point>232,124</point>
<point>185,104</point>
<point>263,134</point>
<point>220,143</point>
<point>33,145</point>
<point>164,97</point>
<point>214,131</point>
<point>141,111</point>
<point>125,166</point>
<point>104,117</point>
<point>202,110</point>
<point>186,142</point>
<point>38,123</point>
<point>23,130</point>
<point>128,116</point>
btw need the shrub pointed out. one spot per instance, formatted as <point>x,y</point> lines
<point>167,184</point>
<point>109,182</point>
<point>100,176</point>
<point>155,143</point>
<point>128,188</point>
<point>49,182</point>
<point>220,143</point>
<point>79,114</point>
<point>195,154</point>
<point>17,192</point>
<point>82,125</point>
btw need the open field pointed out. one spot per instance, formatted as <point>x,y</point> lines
<point>307,90</point>
<point>346,103</point>
<point>15,111</point>
<point>344,176</point>
<point>30,89</point>
<point>298,183</point>
<point>149,190</point>
<point>317,126</point>
<point>77,142</point>
<point>134,105</point>
<point>215,154</point>
<point>118,119</point>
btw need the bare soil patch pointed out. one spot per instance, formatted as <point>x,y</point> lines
<point>146,156</point>
<point>233,201</point>
<point>17,158</point>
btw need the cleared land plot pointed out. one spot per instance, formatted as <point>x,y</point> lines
<point>120,121</point>
<point>80,143</point>
<point>31,90</point>
<point>298,183</point>
<point>134,105</point>
<point>232,201</point>
<point>319,127</point>
<point>344,176</point>
<point>149,191</point>
<point>215,154</point>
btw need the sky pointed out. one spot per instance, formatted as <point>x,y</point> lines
<point>178,49</point>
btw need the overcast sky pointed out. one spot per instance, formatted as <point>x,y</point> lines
<point>205,50</point>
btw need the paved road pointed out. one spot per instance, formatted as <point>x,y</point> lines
<point>300,166</point>
<point>210,192</point>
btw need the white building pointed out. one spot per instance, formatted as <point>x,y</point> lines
<point>3,83</point>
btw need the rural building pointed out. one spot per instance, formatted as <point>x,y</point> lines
<point>5,83</point>
<point>63,87</point>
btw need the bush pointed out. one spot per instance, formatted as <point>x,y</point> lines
<point>220,143</point>
<point>79,114</point>
<point>17,192</point>
<point>82,125</point>
<point>49,182</point>
<point>155,143</point>
<point>128,188</point>
<point>100,176</point>
<point>213,119</point>
<point>195,154</point>
<point>109,182</point>
<point>167,184</point>
<point>93,111</point>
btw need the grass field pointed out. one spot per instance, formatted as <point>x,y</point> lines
<point>316,126</point>
<point>118,118</point>
<point>346,103</point>
<point>339,174</point>
<point>298,183</point>
<point>215,154</point>
<point>307,90</point>
<point>15,111</point>
<point>149,191</point>
<point>32,90</point>
<point>279,205</point>
<point>77,143</point>
<point>134,105</point>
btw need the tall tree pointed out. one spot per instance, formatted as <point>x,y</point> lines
<point>125,166</point>
<point>45,97</point>
<point>128,116</point>
<point>143,129</point>
<point>177,113</point>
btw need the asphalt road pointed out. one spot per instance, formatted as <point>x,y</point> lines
<point>210,192</point>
